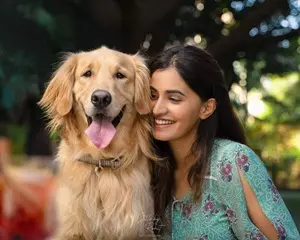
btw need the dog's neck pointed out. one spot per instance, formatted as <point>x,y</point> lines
<point>112,163</point>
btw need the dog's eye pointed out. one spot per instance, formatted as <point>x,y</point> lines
<point>120,75</point>
<point>87,74</point>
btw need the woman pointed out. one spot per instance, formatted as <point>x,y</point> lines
<point>214,186</point>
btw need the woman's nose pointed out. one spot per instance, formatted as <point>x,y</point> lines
<point>159,108</point>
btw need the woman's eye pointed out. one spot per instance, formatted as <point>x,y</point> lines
<point>153,96</point>
<point>120,75</point>
<point>87,74</point>
<point>175,100</point>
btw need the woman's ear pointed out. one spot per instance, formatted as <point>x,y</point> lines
<point>207,108</point>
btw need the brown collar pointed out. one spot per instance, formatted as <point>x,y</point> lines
<point>112,163</point>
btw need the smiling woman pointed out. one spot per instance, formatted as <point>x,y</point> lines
<point>173,103</point>
<point>212,185</point>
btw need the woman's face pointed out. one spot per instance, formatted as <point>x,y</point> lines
<point>176,108</point>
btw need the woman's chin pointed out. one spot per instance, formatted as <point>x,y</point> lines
<point>161,136</point>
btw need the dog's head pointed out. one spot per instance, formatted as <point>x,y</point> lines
<point>102,84</point>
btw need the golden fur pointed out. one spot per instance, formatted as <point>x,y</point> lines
<point>108,204</point>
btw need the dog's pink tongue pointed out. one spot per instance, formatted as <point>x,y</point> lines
<point>101,132</point>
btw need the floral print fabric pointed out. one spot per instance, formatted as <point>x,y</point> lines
<point>222,212</point>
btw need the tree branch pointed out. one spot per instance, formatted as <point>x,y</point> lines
<point>148,16</point>
<point>261,40</point>
<point>239,37</point>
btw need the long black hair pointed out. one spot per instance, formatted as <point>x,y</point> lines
<point>202,74</point>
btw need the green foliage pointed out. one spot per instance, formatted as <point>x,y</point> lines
<point>17,134</point>
<point>39,30</point>
<point>283,97</point>
<point>55,137</point>
<point>277,134</point>
<point>27,51</point>
<point>39,15</point>
<point>268,39</point>
<point>16,85</point>
<point>58,26</point>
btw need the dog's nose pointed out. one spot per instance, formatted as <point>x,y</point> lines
<point>101,98</point>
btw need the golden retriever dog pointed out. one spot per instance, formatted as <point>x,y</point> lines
<point>99,102</point>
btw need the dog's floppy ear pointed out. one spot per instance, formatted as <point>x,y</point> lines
<point>58,97</point>
<point>142,86</point>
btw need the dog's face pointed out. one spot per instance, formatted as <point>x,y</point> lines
<point>102,82</point>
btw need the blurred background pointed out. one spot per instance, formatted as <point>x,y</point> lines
<point>256,42</point>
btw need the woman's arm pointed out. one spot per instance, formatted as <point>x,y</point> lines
<point>255,212</point>
<point>253,205</point>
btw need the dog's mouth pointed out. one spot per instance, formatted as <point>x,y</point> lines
<point>99,116</point>
<point>102,128</point>
<point>119,117</point>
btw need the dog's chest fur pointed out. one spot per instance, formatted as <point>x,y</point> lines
<point>113,204</point>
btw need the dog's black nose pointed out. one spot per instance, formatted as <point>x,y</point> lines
<point>101,98</point>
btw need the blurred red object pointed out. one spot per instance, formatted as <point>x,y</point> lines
<point>26,206</point>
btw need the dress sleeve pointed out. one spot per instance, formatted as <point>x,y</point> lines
<point>232,197</point>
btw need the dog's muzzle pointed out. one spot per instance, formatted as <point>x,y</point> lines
<point>115,121</point>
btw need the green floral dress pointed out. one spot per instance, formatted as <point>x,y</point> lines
<point>222,213</point>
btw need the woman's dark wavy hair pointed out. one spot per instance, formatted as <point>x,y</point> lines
<point>202,74</point>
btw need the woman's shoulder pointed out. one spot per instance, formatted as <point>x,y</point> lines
<point>229,155</point>
<point>226,146</point>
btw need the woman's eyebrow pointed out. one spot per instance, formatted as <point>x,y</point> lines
<point>152,88</point>
<point>175,91</point>
<point>171,91</point>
